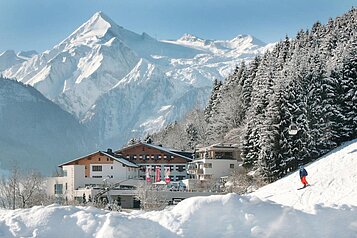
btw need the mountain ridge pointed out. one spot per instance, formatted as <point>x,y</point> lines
<point>35,133</point>
<point>101,56</point>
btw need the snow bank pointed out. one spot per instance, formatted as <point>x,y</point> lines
<point>215,216</point>
<point>282,212</point>
<point>333,180</point>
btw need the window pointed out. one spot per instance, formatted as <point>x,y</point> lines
<point>208,165</point>
<point>180,168</point>
<point>58,188</point>
<point>224,155</point>
<point>96,168</point>
<point>111,167</point>
<point>152,157</point>
<point>66,186</point>
<point>64,173</point>
<point>159,156</point>
<point>134,157</point>
<point>140,156</point>
<point>231,166</point>
<point>98,159</point>
<point>169,166</point>
<point>107,159</point>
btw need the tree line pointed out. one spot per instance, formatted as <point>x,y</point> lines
<point>309,82</point>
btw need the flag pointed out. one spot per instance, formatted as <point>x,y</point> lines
<point>167,174</point>
<point>148,171</point>
<point>158,174</point>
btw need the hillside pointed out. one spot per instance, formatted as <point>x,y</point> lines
<point>327,209</point>
<point>332,179</point>
<point>35,133</point>
<point>307,82</point>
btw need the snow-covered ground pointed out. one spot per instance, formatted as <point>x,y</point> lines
<point>333,180</point>
<point>326,209</point>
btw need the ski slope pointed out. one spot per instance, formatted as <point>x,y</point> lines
<point>327,209</point>
<point>333,180</point>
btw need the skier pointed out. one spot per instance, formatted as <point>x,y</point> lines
<point>303,174</point>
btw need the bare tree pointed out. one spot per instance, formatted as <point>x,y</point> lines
<point>151,198</point>
<point>240,181</point>
<point>31,190</point>
<point>9,189</point>
<point>21,190</point>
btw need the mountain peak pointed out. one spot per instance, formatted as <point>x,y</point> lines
<point>189,38</point>
<point>8,53</point>
<point>102,17</point>
<point>249,38</point>
<point>95,28</point>
<point>99,21</point>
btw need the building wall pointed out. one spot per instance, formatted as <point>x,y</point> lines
<point>92,159</point>
<point>214,168</point>
<point>177,171</point>
<point>114,170</point>
<point>145,156</point>
<point>75,177</point>
<point>213,151</point>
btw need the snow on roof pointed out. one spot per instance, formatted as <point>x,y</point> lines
<point>73,160</point>
<point>164,149</point>
<point>120,159</point>
<point>113,156</point>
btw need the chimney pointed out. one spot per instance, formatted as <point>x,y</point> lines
<point>110,151</point>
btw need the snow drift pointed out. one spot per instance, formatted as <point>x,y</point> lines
<point>330,202</point>
<point>215,216</point>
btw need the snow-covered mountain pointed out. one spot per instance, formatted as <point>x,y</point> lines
<point>8,58</point>
<point>35,133</point>
<point>327,209</point>
<point>120,82</point>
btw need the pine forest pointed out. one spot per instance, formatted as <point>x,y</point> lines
<point>308,84</point>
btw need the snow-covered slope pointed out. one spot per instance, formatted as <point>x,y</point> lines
<point>8,59</point>
<point>332,198</point>
<point>101,66</point>
<point>35,133</point>
<point>332,178</point>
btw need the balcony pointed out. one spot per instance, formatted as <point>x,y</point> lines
<point>199,171</point>
<point>195,171</point>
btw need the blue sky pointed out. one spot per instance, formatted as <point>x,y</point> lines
<point>40,24</point>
